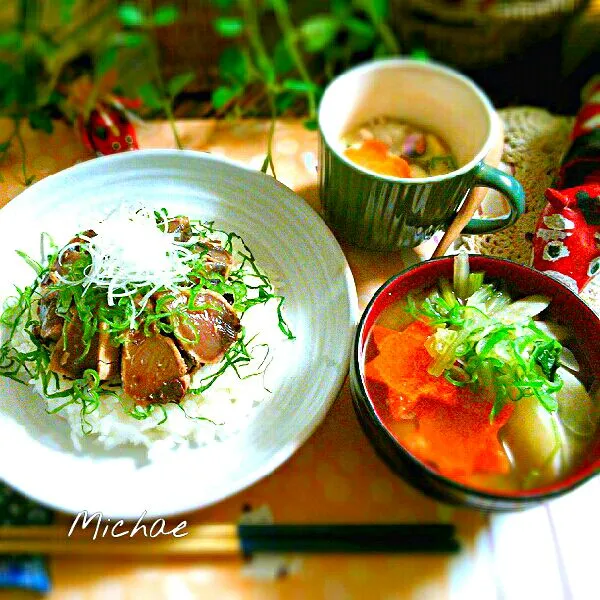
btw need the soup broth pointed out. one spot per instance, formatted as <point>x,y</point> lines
<point>393,147</point>
<point>456,427</point>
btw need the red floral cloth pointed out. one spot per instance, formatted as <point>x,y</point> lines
<point>567,237</point>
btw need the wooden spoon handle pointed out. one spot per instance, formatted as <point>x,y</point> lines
<point>476,195</point>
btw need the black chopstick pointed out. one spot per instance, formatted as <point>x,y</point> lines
<point>353,538</point>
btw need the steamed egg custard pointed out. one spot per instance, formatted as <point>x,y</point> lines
<point>147,329</point>
<point>392,147</point>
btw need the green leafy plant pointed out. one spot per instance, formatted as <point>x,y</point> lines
<point>42,51</point>
<point>259,74</point>
<point>134,54</point>
<point>277,63</point>
<point>32,61</point>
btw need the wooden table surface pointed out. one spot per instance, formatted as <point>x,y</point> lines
<point>547,552</point>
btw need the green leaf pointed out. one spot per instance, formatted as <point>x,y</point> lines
<point>150,95</point>
<point>222,96</point>
<point>361,35</point>
<point>360,28</point>
<point>8,96</point>
<point>4,146</point>
<point>40,119</point>
<point>419,54</point>
<point>228,26</point>
<point>31,70</point>
<point>130,15</point>
<point>378,9</point>
<point>282,61</point>
<point>30,262</point>
<point>341,8</point>
<point>44,47</point>
<point>311,124</point>
<point>165,15</point>
<point>11,40</point>
<point>233,65</point>
<point>106,61</point>
<point>284,101</point>
<point>223,4</point>
<point>66,11</point>
<point>266,68</point>
<point>380,50</point>
<point>128,39</point>
<point>178,83</point>
<point>55,98</point>
<point>547,356</point>
<point>318,32</point>
<point>298,85</point>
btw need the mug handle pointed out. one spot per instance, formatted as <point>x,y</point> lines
<point>509,187</point>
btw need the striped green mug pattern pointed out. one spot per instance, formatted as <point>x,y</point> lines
<point>381,212</point>
<point>376,213</point>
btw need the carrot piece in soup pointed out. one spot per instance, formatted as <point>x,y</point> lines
<point>379,333</point>
<point>453,432</point>
<point>402,365</point>
<point>459,440</point>
<point>376,156</point>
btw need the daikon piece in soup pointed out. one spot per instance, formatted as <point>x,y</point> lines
<point>389,146</point>
<point>480,387</point>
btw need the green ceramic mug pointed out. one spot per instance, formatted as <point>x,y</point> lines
<point>384,212</point>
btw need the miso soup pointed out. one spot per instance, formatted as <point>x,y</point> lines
<point>480,387</point>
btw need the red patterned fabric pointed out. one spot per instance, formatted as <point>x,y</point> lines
<point>567,240</point>
<point>567,236</point>
<point>582,162</point>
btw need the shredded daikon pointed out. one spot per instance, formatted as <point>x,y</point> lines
<point>131,252</point>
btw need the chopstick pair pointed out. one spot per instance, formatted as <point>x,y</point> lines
<point>229,540</point>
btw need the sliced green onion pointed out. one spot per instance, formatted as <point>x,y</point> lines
<point>489,342</point>
<point>461,275</point>
<point>475,282</point>
<point>447,292</point>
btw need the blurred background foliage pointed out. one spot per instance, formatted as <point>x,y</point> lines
<point>266,57</point>
<point>60,58</point>
<point>47,46</point>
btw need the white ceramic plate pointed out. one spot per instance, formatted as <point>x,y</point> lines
<point>290,243</point>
